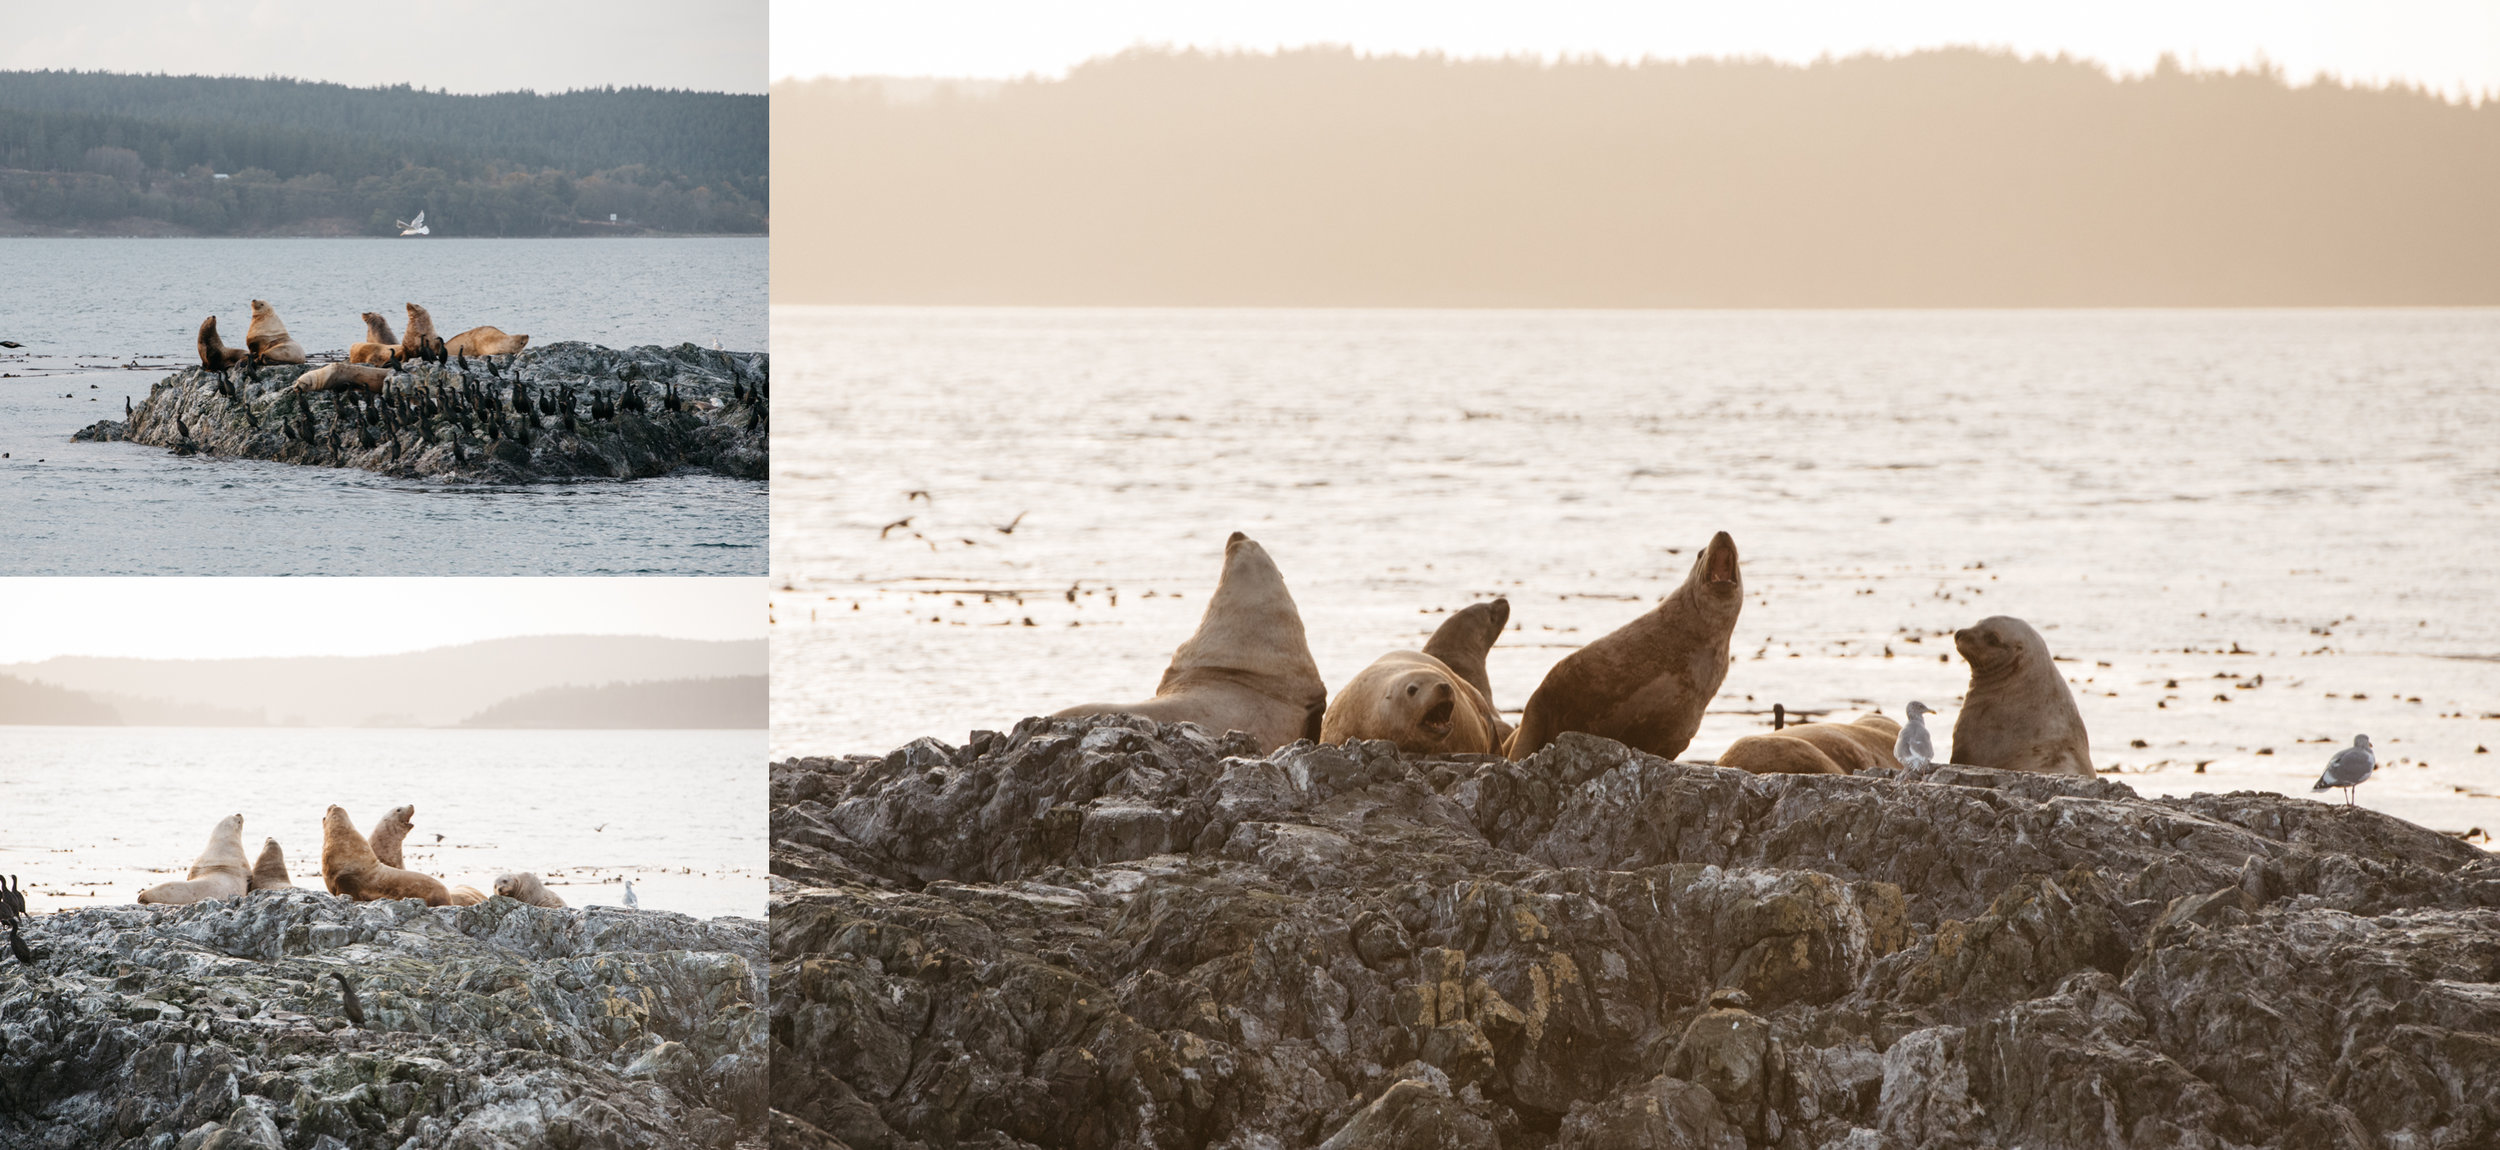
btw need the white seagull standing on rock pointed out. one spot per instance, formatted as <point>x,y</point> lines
<point>2350,768</point>
<point>631,903</point>
<point>1913,749</point>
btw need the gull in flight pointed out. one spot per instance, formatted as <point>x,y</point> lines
<point>415,227</point>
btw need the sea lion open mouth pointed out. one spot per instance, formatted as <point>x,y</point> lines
<point>1437,717</point>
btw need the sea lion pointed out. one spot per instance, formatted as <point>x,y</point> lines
<point>1645,685</point>
<point>485,341</point>
<point>467,896</point>
<point>377,354</point>
<point>349,867</point>
<point>390,831</point>
<point>1779,754</point>
<point>1854,747</point>
<point>526,887</point>
<point>267,338</point>
<point>378,329</point>
<point>214,354</point>
<point>1463,640</point>
<point>342,376</point>
<point>221,871</point>
<point>269,870</point>
<point>420,342</point>
<point>1417,702</point>
<point>2019,714</point>
<point>1248,668</point>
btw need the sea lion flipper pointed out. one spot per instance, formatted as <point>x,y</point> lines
<point>1466,637</point>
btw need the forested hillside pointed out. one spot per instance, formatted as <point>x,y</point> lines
<point>90,151</point>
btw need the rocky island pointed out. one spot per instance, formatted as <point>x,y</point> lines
<point>226,1024</point>
<point>559,412</point>
<point>1105,932</point>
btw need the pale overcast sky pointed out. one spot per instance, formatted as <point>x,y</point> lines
<point>460,45</point>
<point>2452,46</point>
<point>238,618</point>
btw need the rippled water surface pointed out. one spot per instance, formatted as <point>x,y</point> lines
<point>2150,488</point>
<point>104,319</point>
<point>98,814</point>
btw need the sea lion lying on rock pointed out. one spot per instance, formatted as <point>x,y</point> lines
<point>269,870</point>
<point>342,376</point>
<point>1778,754</point>
<point>2019,714</point>
<point>1864,745</point>
<point>1248,668</point>
<point>1646,684</point>
<point>467,896</point>
<point>485,341</point>
<point>221,871</point>
<point>1422,702</point>
<point>267,338</point>
<point>374,354</point>
<point>526,887</point>
<point>214,354</point>
<point>348,867</point>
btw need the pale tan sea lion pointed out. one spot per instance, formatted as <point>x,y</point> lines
<point>348,867</point>
<point>269,870</point>
<point>342,377</point>
<point>214,354</point>
<point>378,329</point>
<point>390,831</point>
<point>1778,754</point>
<point>267,338</point>
<point>526,887</point>
<point>2019,714</point>
<point>420,342</point>
<point>485,341</point>
<point>1463,640</point>
<point>1248,668</point>
<point>1646,684</point>
<point>467,896</point>
<point>221,871</point>
<point>377,354</point>
<point>1417,702</point>
<point>1851,746</point>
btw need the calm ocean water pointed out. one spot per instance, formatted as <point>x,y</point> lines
<point>104,319</point>
<point>97,814</point>
<point>2149,488</point>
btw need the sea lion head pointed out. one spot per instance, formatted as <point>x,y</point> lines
<point>2000,645</point>
<point>1422,698</point>
<point>230,825</point>
<point>260,307</point>
<point>335,819</point>
<point>1251,625</point>
<point>405,815</point>
<point>1716,582</point>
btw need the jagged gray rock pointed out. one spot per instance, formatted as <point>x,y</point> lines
<point>218,1024</point>
<point>1106,932</point>
<point>432,421</point>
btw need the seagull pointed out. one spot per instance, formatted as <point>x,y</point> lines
<point>2350,768</point>
<point>631,903</point>
<point>1913,749</point>
<point>415,227</point>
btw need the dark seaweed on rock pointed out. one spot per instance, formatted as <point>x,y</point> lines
<point>1103,932</point>
<point>580,411</point>
<point>495,1025</point>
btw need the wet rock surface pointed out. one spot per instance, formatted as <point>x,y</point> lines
<point>437,421</point>
<point>220,1024</point>
<point>1109,933</point>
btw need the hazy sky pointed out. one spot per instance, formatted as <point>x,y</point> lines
<point>175,618</point>
<point>461,45</point>
<point>2452,46</point>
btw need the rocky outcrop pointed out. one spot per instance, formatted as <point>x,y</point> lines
<point>1110,933</point>
<point>563,411</point>
<point>221,1025</point>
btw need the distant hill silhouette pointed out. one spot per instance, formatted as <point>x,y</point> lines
<point>40,705</point>
<point>685,704</point>
<point>1955,177</point>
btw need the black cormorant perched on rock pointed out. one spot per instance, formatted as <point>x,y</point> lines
<point>347,999</point>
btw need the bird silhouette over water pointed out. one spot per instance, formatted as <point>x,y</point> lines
<point>1010,528</point>
<point>2350,768</point>
<point>888,529</point>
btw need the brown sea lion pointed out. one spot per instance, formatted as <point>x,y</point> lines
<point>377,354</point>
<point>420,342</point>
<point>2019,714</point>
<point>1646,684</point>
<point>267,338</point>
<point>1779,754</point>
<point>378,329</point>
<point>269,870</point>
<point>214,354</point>
<point>526,887</point>
<point>1248,668</point>
<point>1463,640</point>
<point>221,871</point>
<point>348,867</point>
<point>467,896</point>
<point>1417,702</point>
<point>343,376</point>
<point>1854,746</point>
<point>390,831</point>
<point>485,341</point>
